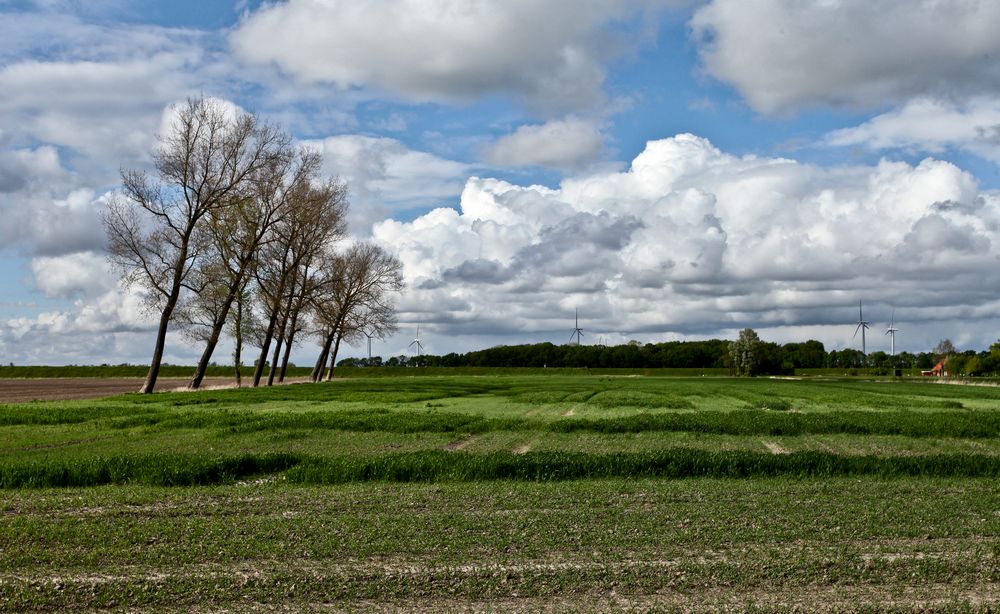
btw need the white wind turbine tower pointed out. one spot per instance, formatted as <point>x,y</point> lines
<point>892,330</point>
<point>416,341</point>
<point>862,326</point>
<point>577,331</point>
<point>369,335</point>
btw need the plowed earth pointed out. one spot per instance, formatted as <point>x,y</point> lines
<point>70,388</point>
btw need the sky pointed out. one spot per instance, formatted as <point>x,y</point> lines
<point>672,169</point>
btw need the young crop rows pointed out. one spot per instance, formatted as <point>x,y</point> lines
<point>513,493</point>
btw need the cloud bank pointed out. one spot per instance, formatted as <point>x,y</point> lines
<point>693,241</point>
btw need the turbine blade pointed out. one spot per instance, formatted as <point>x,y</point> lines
<point>856,331</point>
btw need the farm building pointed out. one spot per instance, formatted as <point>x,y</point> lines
<point>937,371</point>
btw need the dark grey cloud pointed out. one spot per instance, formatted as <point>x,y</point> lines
<point>13,175</point>
<point>479,271</point>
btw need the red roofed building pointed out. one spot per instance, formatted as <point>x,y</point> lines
<point>938,370</point>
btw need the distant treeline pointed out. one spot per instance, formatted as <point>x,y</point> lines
<point>771,358</point>
<point>710,357</point>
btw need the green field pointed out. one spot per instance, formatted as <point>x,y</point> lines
<point>522,493</point>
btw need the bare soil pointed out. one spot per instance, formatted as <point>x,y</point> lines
<point>459,443</point>
<point>71,388</point>
<point>774,447</point>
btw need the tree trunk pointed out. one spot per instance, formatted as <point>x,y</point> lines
<point>333,357</point>
<point>288,351</point>
<point>237,361</point>
<point>277,353</point>
<point>258,370</point>
<point>213,340</point>
<point>235,289</point>
<point>168,310</point>
<point>288,342</point>
<point>296,298</point>
<point>154,365</point>
<point>320,369</point>
<point>238,350</point>
<point>272,323</point>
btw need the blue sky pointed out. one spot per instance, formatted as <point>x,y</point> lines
<point>674,169</point>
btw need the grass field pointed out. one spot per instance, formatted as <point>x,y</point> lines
<point>562,493</point>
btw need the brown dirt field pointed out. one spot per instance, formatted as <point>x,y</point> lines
<point>70,388</point>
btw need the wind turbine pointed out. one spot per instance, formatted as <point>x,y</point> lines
<point>367,334</point>
<point>891,331</point>
<point>416,341</point>
<point>862,326</point>
<point>577,331</point>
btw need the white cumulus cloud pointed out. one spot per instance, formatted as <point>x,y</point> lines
<point>384,175</point>
<point>76,274</point>
<point>550,54</point>
<point>785,54</point>
<point>101,99</point>
<point>567,143</point>
<point>930,125</point>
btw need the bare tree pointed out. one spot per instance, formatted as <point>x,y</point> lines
<point>202,164</point>
<point>237,234</point>
<point>354,296</point>
<point>294,317</point>
<point>376,322</point>
<point>240,325</point>
<point>299,289</point>
<point>316,219</point>
<point>944,349</point>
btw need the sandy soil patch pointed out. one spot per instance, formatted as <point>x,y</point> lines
<point>775,447</point>
<point>459,444</point>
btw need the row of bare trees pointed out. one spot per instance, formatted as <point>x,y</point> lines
<point>236,233</point>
